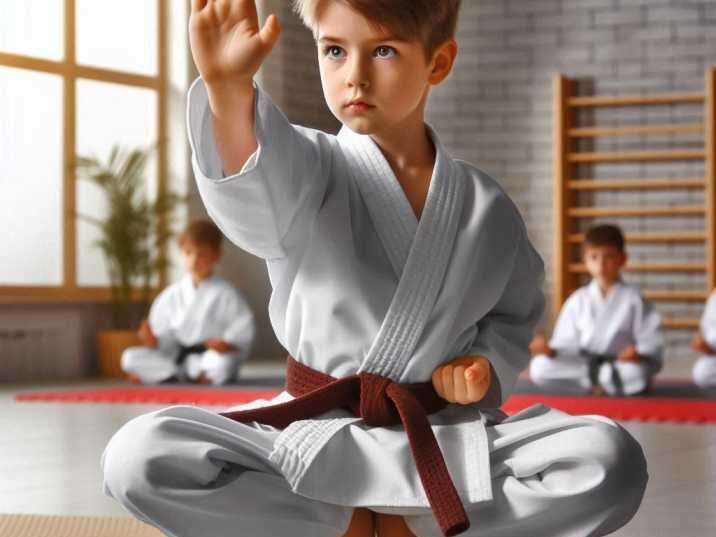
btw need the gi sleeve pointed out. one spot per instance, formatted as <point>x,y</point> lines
<point>708,321</point>
<point>505,332</point>
<point>565,336</point>
<point>648,337</point>
<point>240,326</point>
<point>280,187</point>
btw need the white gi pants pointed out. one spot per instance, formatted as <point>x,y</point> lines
<point>153,366</point>
<point>704,372</point>
<point>193,473</point>
<point>571,374</point>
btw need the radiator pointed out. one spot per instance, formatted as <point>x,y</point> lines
<point>40,346</point>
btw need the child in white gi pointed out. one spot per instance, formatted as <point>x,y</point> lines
<point>704,372</point>
<point>199,328</point>
<point>607,336</point>
<point>393,266</point>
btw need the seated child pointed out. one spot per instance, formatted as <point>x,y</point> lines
<point>405,289</point>
<point>704,371</point>
<point>200,327</point>
<point>607,336</point>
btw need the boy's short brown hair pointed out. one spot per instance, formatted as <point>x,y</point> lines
<point>431,21</point>
<point>202,232</point>
<point>605,235</point>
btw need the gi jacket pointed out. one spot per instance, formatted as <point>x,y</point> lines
<point>359,284</point>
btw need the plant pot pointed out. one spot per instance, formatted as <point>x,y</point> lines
<point>110,346</point>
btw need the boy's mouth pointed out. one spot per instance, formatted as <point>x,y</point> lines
<point>359,106</point>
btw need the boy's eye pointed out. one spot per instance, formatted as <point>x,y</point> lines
<point>385,51</point>
<point>333,51</point>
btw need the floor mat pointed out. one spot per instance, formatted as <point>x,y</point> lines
<point>620,408</point>
<point>663,388</point>
<point>208,395</point>
<point>73,526</point>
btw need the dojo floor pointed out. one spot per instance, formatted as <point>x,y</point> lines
<point>49,462</point>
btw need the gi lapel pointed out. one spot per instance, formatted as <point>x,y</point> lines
<point>603,310</point>
<point>419,251</point>
<point>183,316</point>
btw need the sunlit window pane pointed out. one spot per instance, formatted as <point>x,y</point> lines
<point>107,114</point>
<point>118,35</point>
<point>32,28</point>
<point>30,178</point>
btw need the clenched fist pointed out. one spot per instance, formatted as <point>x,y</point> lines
<point>218,345</point>
<point>226,42</point>
<point>699,345</point>
<point>464,380</point>
<point>146,336</point>
<point>630,354</point>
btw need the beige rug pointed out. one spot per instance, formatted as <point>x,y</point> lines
<point>73,526</point>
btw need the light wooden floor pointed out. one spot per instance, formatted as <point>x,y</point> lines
<point>49,464</point>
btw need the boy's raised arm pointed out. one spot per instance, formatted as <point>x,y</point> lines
<point>228,48</point>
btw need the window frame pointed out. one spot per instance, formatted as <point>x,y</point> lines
<point>70,71</point>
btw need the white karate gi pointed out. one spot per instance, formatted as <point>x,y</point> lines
<point>359,284</point>
<point>602,325</point>
<point>186,315</point>
<point>704,371</point>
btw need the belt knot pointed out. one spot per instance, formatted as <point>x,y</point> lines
<point>376,407</point>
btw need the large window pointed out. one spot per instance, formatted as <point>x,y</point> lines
<point>76,77</point>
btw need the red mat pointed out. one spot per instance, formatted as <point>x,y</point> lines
<point>151,395</point>
<point>624,409</point>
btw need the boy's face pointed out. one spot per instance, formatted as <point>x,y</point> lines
<point>604,263</point>
<point>361,63</point>
<point>199,259</point>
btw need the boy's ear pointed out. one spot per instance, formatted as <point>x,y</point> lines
<point>443,61</point>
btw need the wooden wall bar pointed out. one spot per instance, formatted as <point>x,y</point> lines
<point>568,213</point>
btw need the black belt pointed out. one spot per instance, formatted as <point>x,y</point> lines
<point>186,351</point>
<point>595,362</point>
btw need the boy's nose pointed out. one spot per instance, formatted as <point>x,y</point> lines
<point>356,75</point>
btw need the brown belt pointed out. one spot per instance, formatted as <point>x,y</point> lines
<point>380,402</point>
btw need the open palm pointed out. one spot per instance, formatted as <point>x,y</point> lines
<point>226,41</point>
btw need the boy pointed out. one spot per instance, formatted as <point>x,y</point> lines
<point>704,372</point>
<point>403,280</point>
<point>199,328</point>
<point>607,336</point>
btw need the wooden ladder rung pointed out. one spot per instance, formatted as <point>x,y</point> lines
<point>628,156</point>
<point>578,238</point>
<point>677,296</point>
<point>676,323</point>
<point>580,268</point>
<point>634,184</point>
<point>631,100</point>
<point>630,130</point>
<point>676,210</point>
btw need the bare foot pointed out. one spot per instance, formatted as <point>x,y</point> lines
<point>362,524</point>
<point>597,391</point>
<point>202,379</point>
<point>391,526</point>
<point>134,379</point>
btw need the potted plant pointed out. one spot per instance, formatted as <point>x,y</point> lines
<point>133,239</point>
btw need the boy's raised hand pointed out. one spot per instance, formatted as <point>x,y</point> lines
<point>464,380</point>
<point>226,42</point>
